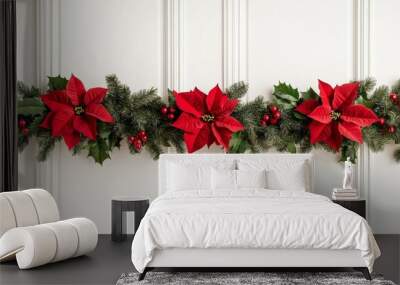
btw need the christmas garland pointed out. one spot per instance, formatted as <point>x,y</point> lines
<point>97,120</point>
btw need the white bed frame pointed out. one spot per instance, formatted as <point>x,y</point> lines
<point>246,258</point>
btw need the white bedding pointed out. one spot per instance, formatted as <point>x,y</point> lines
<point>251,218</point>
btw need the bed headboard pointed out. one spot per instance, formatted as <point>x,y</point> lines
<point>210,159</point>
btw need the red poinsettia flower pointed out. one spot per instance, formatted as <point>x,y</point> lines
<point>338,116</point>
<point>74,111</point>
<point>206,119</point>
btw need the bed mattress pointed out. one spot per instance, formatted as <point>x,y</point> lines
<point>250,219</point>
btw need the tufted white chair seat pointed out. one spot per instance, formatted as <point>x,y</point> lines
<point>31,233</point>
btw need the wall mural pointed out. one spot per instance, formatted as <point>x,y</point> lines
<point>97,120</point>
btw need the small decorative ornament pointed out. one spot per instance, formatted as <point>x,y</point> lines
<point>273,109</point>
<point>171,110</point>
<point>348,175</point>
<point>131,139</point>
<point>137,144</point>
<point>381,121</point>
<point>171,116</point>
<point>142,135</point>
<point>272,117</point>
<point>75,111</point>
<point>206,119</point>
<point>144,139</point>
<point>138,140</point>
<point>393,97</point>
<point>164,110</point>
<point>391,129</point>
<point>274,121</point>
<point>277,115</point>
<point>337,116</point>
<point>21,124</point>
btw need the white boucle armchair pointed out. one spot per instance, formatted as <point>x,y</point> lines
<point>32,233</point>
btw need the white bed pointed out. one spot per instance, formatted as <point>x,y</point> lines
<point>210,226</point>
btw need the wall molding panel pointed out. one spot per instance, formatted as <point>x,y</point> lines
<point>234,41</point>
<point>48,63</point>
<point>173,39</point>
<point>362,25</point>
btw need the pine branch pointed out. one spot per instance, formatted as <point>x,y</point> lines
<point>380,96</point>
<point>366,86</point>
<point>46,145</point>
<point>154,149</point>
<point>143,98</point>
<point>396,155</point>
<point>374,137</point>
<point>27,92</point>
<point>396,87</point>
<point>237,90</point>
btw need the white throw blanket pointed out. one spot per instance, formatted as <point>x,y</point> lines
<point>252,218</point>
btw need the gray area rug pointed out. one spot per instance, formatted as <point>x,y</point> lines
<point>269,278</point>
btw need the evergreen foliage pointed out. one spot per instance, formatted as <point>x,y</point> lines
<point>397,155</point>
<point>141,111</point>
<point>237,90</point>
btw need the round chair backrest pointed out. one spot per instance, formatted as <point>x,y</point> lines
<point>26,208</point>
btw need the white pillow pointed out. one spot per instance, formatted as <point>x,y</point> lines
<point>183,178</point>
<point>251,178</point>
<point>285,174</point>
<point>294,181</point>
<point>223,179</point>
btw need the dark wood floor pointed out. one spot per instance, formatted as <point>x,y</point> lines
<point>110,260</point>
<point>103,266</point>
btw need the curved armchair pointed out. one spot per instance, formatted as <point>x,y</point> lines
<point>31,233</point>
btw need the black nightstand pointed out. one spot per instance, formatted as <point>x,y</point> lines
<point>119,207</point>
<point>357,206</point>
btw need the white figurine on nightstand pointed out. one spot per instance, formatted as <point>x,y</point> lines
<point>347,192</point>
<point>348,175</point>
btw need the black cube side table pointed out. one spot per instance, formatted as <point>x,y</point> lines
<point>357,206</point>
<point>119,207</point>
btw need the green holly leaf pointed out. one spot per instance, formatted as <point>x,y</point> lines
<point>283,104</point>
<point>114,141</point>
<point>57,82</point>
<point>285,95</point>
<point>238,143</point>
<point>286,92</point>
<point>171,98</point>
<point>30,107</point>
<point>291,147</point>
<point>299,116</point>
<point>309,94</point>
<point>104,130</point>
<point>99,150</point>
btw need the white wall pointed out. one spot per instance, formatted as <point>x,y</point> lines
<point>185,43</point>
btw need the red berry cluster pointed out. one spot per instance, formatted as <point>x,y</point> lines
<point>272,116</point>
<point>139,140</point>
<point>168,112</point>
<point>394,98</point>
<point>22,127</point>
<point>390,128</point>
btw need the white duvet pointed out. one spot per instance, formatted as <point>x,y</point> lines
<point>250,219</point>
